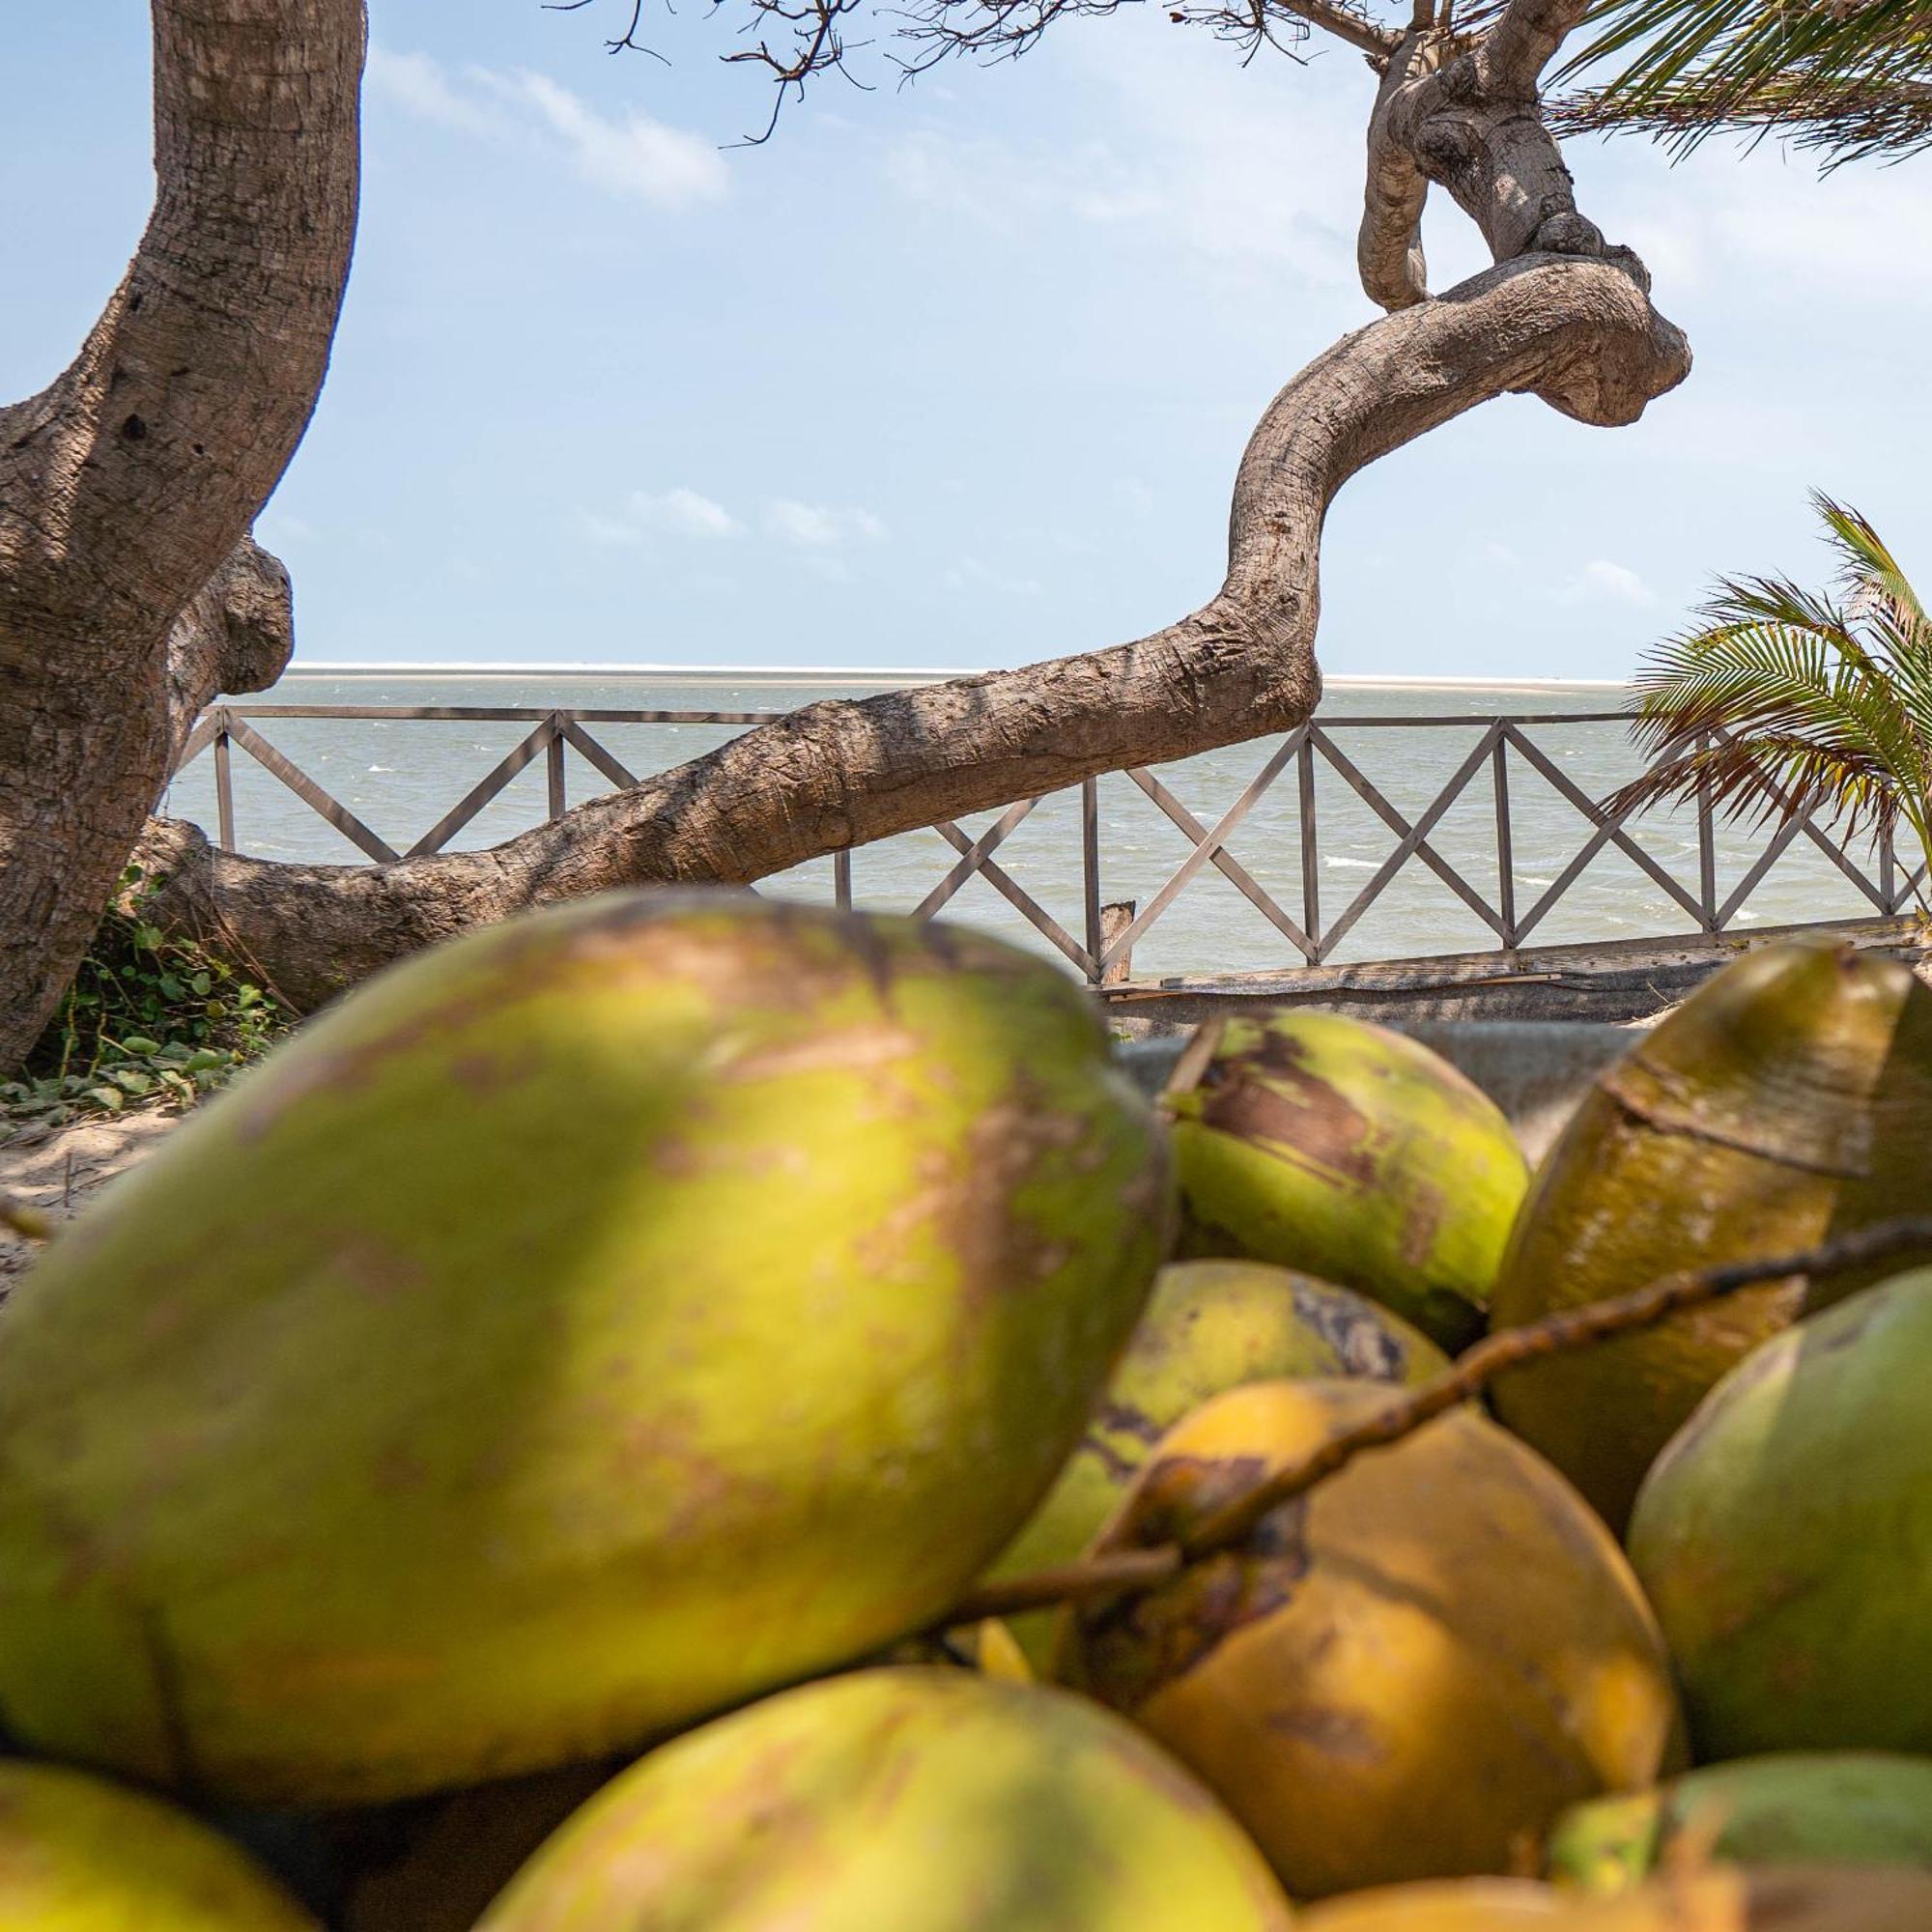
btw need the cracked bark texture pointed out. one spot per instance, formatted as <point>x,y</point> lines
<point>130,589</point>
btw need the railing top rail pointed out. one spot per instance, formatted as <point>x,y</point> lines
<point>1111,931</point>
<point>532,714</point>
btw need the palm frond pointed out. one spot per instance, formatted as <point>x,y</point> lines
<point>1784,701</point>
<point>1853,78</point>
<point>1851,118</point>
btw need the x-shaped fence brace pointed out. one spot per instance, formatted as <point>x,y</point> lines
<point>555,731</point>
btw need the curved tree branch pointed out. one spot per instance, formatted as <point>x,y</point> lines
<point>126,485</point>
<point>1580,334</point>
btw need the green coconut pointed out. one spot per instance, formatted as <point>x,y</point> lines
<point>901,1801</point>
<point>1785,1537</point>
<point>80,1855</point>
<point>1808,1807</point>
<point>1326,1143</point>
<point>586,1326</point>
<point>1789,1099</point>
<point>1211,1325</point>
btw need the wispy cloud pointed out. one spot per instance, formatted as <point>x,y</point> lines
<point>819,526</point>
<point>636,157</point>
<point>417,84</point>
<point>679,512</point>
<point>632,155</point>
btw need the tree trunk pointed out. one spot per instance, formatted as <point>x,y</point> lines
<point>128,588</point>
<point>1581,334</point>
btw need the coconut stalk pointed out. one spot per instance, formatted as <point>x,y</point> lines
<point>1129,1571</point>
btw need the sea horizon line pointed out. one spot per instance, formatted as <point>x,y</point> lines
<point>866,674</point>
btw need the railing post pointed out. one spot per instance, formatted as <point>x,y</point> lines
<point>225,785</point>
<point>1890,890</point>
<point>1090,877</point>
<point>841,879</point>
<point>1311,861</point>
<point>554,764</point>
<point>1505,843</point>
<point>1115,920</point>
<point>1707,847</point>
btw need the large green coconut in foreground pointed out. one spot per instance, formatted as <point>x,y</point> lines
<point>1326,1143</point>
<point>1840,1808</point>
<point>1209,1325</point>
<point>587,1325</point>
<point>1790,1097</point>
<point>1407,1673</point>
<point>78,1855</point>
<point>900,1800</point>
<point>1785,1537</point>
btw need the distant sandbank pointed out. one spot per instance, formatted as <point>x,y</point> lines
<point>867,675</point>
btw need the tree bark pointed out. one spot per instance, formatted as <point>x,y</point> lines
<point>237,634</point>
<point>1581,334</point>
<point>127,583</point>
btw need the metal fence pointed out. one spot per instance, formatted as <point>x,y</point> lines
<point>1105,933</point>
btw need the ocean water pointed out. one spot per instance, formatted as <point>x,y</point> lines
<point>401,776</point>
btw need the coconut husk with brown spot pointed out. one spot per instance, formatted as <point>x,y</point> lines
<point>1787,1100</point>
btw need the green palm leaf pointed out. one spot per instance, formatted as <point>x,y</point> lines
<point>1784,703</point>
<point>1853,78</point>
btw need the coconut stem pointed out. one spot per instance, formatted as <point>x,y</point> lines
<point>1121,1571</point>
<point>18,1218</point>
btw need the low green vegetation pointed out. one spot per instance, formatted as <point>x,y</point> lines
<point>150,1020</point>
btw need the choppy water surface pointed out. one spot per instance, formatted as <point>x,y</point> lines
<point>401,776</point>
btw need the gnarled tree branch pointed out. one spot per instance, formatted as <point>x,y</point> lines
<point>1463,113</point>
<point>1580,334</point>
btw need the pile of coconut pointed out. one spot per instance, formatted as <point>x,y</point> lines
<point>687,1414</point>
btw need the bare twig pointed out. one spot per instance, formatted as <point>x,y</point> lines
<point>627,41</point>
<point>1123,1572</point>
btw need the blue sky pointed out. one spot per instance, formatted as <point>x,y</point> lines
<point>959,375</point>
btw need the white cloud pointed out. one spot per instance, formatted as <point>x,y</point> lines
<point>1601,579</point>
<point>417,84</point>
<point>819,526</point>
<point>679,512</point>
<point>633,155</point>
<point>1242,172</point>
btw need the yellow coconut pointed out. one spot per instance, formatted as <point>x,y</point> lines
<point>578,1330</point>
<point>80,1855</point>
<point>1785,1537</point>
<point>901,1801</point>
<point>1324,1143</point>
<point>1788,1099</point>
<point>1407,1675</point>
<point>1211,1325</point>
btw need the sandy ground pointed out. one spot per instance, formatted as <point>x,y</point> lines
<point>58,1170</point>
